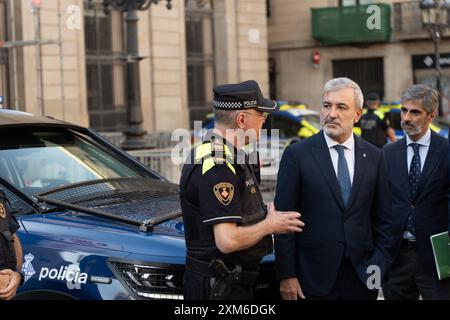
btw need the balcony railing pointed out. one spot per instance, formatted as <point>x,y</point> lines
<point>349,24</point>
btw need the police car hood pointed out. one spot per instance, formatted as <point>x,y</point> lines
<point>124,214</point>
<point>86,233</point>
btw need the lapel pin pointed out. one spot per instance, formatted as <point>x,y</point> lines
<point>364,155</point>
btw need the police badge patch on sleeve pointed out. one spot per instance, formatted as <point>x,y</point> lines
<point>2,211</point>
<point>224,192</point>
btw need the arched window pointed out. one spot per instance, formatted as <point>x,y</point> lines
<point>200,57</point>
<point>105,67</point>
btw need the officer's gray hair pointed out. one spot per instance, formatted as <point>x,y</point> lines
<point>426,95</point>
<point>226,117</point>
<point>344,83</point>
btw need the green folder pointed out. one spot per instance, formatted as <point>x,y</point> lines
<point>441,250</point>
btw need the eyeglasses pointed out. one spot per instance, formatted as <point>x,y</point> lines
<point>264,114</point>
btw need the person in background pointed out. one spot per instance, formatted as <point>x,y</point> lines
<point>374,126</point>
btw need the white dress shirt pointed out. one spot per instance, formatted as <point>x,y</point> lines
<point>424,143</point>
<point>349,153</point>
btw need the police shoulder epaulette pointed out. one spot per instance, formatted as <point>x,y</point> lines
<point>212,153</point>
<point>379,114</point>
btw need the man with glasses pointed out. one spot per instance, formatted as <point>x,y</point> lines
<point>227,225</point>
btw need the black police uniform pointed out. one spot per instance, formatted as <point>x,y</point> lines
<point>225,192</point>
<point>8,226</point>
<point>216,188</point>
<point>373,128</point>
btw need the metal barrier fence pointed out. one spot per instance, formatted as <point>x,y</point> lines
<point>160,159</point>
<point>157,140</point>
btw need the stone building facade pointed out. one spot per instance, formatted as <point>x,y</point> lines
<point>387,63</point>
<point>66,58</point>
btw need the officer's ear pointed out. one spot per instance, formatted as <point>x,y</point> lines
<point>240,120</point>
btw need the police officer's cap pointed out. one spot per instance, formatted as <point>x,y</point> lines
<point>373,96</point>
<point>240,96</point>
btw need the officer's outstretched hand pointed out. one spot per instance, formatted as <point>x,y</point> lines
<point>283,221</point>
<point>14,280</point>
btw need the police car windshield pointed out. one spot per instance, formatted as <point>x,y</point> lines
<point>37,160</point>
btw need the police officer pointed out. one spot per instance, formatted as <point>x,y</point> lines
<point>11,275</point>
<point>227,225</point>
<point>374,128</point>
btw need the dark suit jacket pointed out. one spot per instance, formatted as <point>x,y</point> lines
<point>307,183</point>
<point>430,204</point>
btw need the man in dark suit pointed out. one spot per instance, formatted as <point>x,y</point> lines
<point>418,171</point>
<point>338,182</point>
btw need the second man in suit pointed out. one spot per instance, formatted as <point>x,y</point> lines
<point>418,170</point>
<point>338,182</point>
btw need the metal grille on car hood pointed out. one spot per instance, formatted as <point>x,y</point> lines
<point>138,201</point>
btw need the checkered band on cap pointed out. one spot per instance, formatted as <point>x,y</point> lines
<point>228,105</point>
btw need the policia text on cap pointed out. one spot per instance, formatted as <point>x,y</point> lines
<point>227,225</point>
<point>10,253</point>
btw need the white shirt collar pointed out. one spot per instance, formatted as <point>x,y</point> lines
<point>349,143</point>
<point>424,141</point>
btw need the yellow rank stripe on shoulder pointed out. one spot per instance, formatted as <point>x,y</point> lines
<point>206,149</point>
<point>228,152</point>
<point>202,150</point>
<point>231,167</point>
<point>379,114</point>
<point>207,165</point>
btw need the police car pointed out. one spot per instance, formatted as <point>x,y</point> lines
<point>293,122</point>
<point>95,222</point>
<point>293,119</point>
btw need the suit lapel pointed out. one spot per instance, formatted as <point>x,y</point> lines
<point>430,163</point>
<point>401,165</point>
<point>361,158</point>
<point>322,157</point>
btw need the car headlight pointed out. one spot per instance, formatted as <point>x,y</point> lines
<point>151,281</point>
